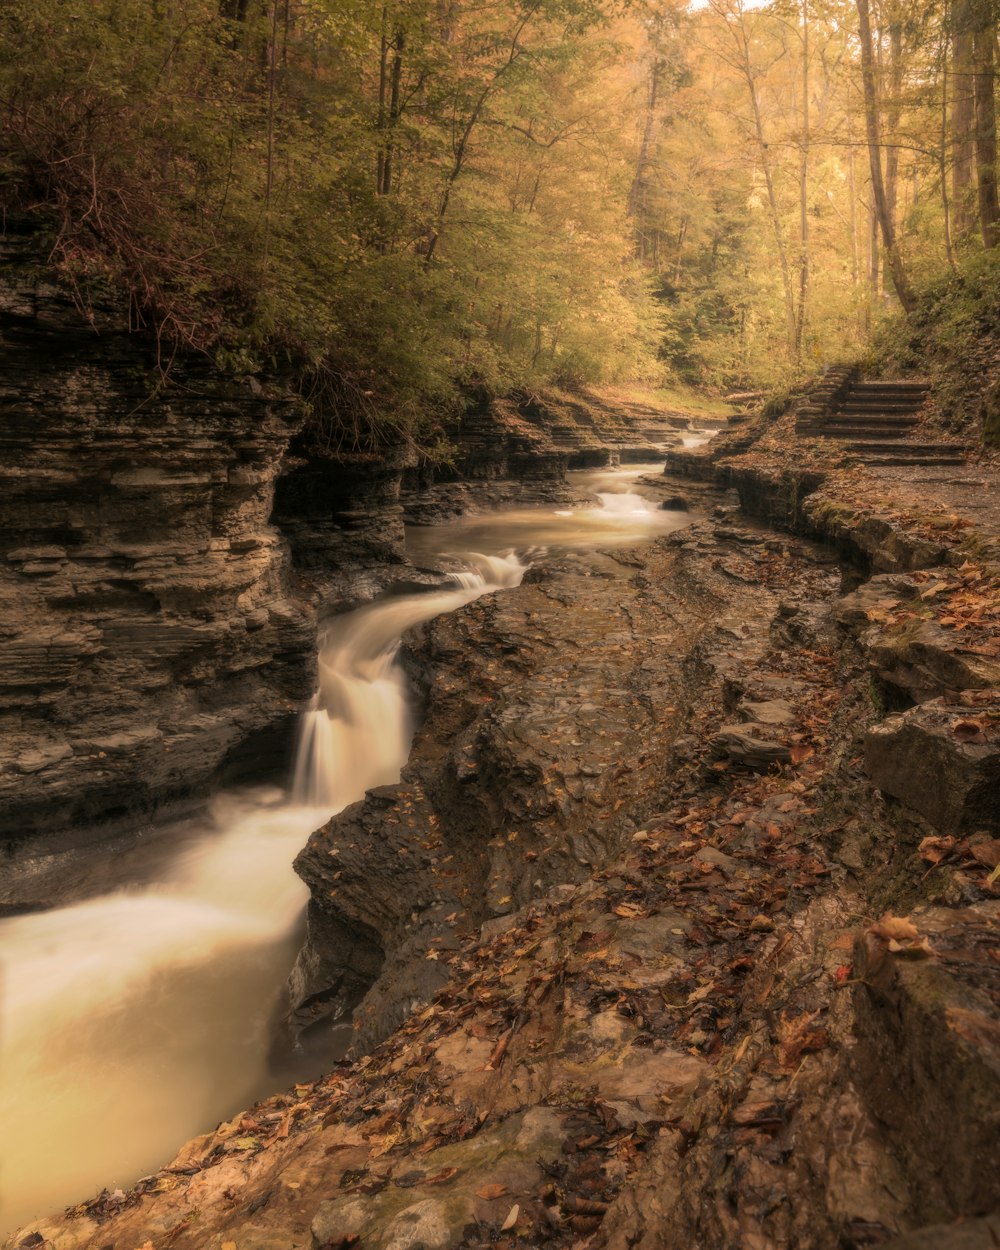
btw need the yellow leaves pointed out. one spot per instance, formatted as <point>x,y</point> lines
<point>388,1141</point>
<point>630,911</point>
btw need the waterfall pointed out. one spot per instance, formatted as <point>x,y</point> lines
<point>625,504</point>
<point>357,731</point>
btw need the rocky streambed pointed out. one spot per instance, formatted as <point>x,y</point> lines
<point>654,961</point>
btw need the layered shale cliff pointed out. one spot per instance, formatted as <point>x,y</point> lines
<point>146,628</point>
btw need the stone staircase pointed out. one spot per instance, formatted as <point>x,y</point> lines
<point>874,420</point>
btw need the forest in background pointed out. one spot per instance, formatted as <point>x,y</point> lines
<point>401,204</point>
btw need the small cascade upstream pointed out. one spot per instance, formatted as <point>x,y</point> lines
<point>625,503</point>
<point>136,1020</point>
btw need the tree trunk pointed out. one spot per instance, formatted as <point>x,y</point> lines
<point>637,193</point>
<point>943,150</point>
<point>900,281</point>
<point>962,118</point>
<point>800,322</point>
<point>986,125</point>
<point>894,110</point>
<point>746,67</point>
<point>852,188</point>
<point>392,116</point>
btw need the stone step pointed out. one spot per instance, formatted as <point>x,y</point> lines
<point>904,445</point>
<point>879,406</point>
<point>913,461</point>
<point>851,429</point>
<point>881,388</point>
<point>871,420</point>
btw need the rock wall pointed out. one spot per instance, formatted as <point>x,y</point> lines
<point>146,627</point>
<point>516,449</point>
<point>343,519</point>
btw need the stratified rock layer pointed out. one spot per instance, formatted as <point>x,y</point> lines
<point>145,625</point>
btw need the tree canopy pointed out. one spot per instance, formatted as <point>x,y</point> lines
<point>399,202</point>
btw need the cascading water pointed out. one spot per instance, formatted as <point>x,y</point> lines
<point>135,1020</point>
<point>359,726</point>
<point>625,503</point>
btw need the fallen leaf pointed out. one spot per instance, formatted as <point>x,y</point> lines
<point>511,1219</point>
<point>934,850</point>
<point>630,911</point>
<point>986,851</point>
<point>440,1177</point>
<point>898,928</point>
<point>912,950</point>
<point>489,1192</point>
<point>799,1036</point>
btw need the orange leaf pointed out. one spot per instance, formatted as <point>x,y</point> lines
<point>894,928</point>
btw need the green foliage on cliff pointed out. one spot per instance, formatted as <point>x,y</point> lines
<point>953,337</point>
<point>394,201</point>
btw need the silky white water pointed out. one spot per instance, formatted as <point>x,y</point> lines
<point>133,1021</point>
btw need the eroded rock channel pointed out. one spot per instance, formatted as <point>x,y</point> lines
<point>617,919</point>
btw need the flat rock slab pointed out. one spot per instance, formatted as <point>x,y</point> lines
<point>750,745</point>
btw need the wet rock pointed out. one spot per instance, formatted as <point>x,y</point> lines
<point>718,859</point>
<point>675,503</point>
<point>512,785</point>
<point>851,611</point>
<point>772,712</point>
<point>508,1158</point>
<point>939,762</point>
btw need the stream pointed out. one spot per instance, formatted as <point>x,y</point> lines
<point>136,1019</point>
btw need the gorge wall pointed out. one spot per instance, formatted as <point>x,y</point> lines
<point>167,544</point>
<point>148,625</point>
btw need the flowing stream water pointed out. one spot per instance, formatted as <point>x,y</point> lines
<point>132,1021</point>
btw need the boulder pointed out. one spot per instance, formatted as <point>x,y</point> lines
<point>939,761</point>
<point>921,660</point>
<point>928,1059</point>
